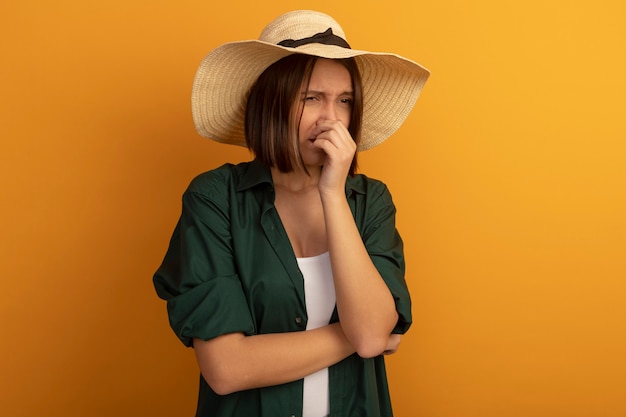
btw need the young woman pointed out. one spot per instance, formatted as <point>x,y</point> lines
<point>286,273</point>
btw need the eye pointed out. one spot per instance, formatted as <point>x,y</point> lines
<point>347,101</point>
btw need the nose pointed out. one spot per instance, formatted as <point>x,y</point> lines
<point>329,111</point>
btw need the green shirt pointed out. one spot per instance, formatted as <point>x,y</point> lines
<point>230,268</point>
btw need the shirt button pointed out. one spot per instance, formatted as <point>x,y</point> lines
<point>298,320</point>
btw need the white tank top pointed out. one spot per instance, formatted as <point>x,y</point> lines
<point>319,293</point>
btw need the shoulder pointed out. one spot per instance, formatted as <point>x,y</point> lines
<point>217,181</point>
<point>372,189</point>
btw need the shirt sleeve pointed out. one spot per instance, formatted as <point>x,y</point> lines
<point>385,247</point>
<point>198,277</point>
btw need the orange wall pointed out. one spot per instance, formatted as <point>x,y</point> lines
<point>509,179</point>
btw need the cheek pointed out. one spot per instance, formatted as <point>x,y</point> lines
<point>308,118</point>
<point>344,118</point>
<point>305,127</point>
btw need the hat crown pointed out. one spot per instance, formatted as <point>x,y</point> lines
<point>299,24</point>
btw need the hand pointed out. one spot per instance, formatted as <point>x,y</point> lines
<point>393,344</point>
<point>337,143</point>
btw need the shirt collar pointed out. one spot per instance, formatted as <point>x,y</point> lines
<point>253,174</point>
<point>257,173</point>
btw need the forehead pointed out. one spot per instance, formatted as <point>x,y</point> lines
<point>330,74</point>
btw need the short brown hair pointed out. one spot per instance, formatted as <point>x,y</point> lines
<point>272,119</point>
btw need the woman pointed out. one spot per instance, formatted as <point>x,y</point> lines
<point>286,274</point>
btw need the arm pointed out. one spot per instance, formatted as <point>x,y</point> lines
<point>235,362</point>
<point>365,305</point>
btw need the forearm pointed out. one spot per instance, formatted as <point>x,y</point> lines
<point>365,305</point>
<point>235,362</point>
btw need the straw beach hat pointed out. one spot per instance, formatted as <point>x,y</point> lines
<point>391,83</point>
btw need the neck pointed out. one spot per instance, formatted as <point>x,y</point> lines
<point>298,180</point>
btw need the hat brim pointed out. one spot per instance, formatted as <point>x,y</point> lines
<point>391,86</point>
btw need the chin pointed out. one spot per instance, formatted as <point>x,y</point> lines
<point>314,159</point>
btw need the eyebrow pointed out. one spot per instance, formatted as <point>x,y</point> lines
<point>345,93</point>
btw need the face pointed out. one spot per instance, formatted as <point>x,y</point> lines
<point>328,96</point>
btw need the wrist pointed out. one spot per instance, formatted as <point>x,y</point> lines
<point>333,194</point>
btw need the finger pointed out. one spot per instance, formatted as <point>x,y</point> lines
<point>332,139</point>
<point>333,130</point>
